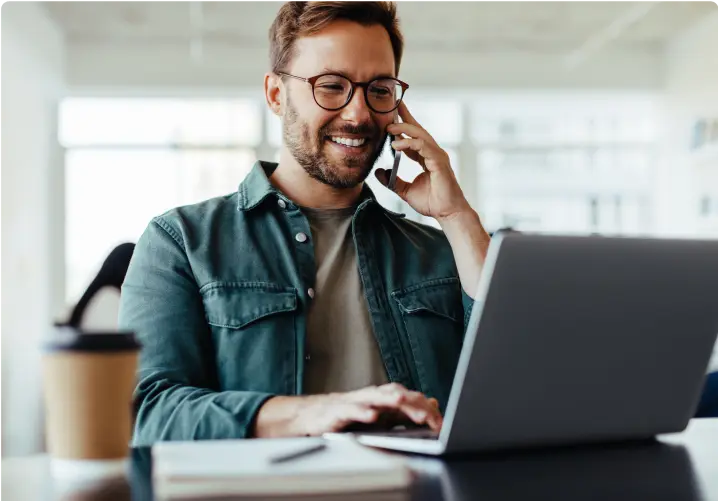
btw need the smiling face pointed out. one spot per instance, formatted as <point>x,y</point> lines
<point>338,148</point>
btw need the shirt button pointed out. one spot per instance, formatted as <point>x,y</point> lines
<point>300,237</point>
<point>282,204</point>
<point>307,357</point>
<point>310,292</point>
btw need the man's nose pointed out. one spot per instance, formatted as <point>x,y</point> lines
<point>356,110</point>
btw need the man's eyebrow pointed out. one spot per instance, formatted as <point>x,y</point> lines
<point>345,74</point>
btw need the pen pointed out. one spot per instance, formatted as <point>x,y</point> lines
<point>297,454</point>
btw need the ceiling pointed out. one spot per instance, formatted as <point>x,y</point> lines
<point>537,26</point>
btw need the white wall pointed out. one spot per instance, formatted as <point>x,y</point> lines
<point>32,187</point>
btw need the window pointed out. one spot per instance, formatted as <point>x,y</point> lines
<point>128,160</point>
<point>565,163</point>
<point>160,122</point>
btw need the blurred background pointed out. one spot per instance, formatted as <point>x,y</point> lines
<point>562,117</point>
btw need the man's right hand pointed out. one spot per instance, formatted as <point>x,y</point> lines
<point>386,405</point>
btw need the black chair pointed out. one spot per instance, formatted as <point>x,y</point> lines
<point>111,274</point>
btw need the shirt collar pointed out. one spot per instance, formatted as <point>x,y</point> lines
<point>256,187</point>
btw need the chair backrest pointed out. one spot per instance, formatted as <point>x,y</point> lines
<point>111,275</point>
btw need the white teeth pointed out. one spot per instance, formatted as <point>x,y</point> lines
<point>348,142</point>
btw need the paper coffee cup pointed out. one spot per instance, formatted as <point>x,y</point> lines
<point>88,380</point>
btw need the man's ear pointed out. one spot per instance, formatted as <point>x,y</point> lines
<point>274,93</point>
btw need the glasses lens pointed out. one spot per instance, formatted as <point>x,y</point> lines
<point>384,94</point>
<point>332,91</point>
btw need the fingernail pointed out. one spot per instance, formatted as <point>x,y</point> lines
<point>394,144</point>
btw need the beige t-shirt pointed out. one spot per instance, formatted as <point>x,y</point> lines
<point>343,352</point>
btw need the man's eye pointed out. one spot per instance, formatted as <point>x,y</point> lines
<point>332,87</point>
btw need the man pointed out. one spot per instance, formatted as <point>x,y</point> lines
<point>298,305</point>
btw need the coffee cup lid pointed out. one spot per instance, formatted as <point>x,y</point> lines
<point>65,337</point>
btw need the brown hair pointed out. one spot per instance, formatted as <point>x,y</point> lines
<point>297,19</point>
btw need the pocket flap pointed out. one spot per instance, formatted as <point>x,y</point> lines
<point>441,297</point>
<point>237,304</point>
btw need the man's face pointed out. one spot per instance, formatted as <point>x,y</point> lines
<point>360,53</point>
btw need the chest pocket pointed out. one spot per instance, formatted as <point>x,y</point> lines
<point>432,314</point>
<point>254,332</point>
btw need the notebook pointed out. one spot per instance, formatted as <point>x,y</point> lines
<point>220,468</point>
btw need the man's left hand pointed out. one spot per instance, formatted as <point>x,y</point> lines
<point>435,192</point>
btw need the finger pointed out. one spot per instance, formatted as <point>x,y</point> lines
<point>379,396</point>
<point>409,413</point>
<point>406,115</point>
<point>392,387</point>
<point>392,395</point>
<point>414,404</point>
<point>395,397</point>
<point>419,401</point>
<point>413,155</point>
<point>420,146</point>
<point>346,413</point>
<point>426,150</point>
<point>401,187</point>
<point>422,411</point>
<point>410,130</point>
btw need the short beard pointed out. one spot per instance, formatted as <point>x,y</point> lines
<point>309,152</point>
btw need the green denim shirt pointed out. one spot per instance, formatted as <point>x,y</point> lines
<point>217,294</point>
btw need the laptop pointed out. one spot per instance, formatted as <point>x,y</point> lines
<point>578,339</point>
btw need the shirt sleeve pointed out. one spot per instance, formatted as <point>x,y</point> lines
<point>176,395</point>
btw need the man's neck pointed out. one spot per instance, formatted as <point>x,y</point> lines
<point>292,180</point>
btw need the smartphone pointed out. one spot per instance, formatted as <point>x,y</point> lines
<point>397,157</point>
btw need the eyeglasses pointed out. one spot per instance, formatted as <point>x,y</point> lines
<point>333,92</point>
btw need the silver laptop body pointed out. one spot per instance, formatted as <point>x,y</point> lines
<point>579,339</point>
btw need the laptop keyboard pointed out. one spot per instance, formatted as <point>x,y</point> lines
<point>422,433</point>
